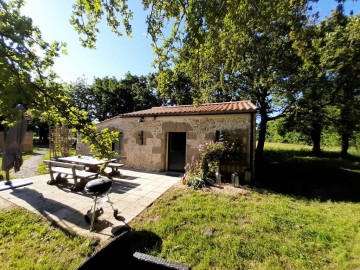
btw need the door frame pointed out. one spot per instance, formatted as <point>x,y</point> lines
<point>167,146</point>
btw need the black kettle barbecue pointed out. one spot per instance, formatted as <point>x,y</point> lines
<point>98,188</point>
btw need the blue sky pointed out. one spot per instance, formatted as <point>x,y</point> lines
<point>114,56</point>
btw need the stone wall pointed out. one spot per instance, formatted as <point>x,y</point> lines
<point>26,146</point>
<point>150,153</point>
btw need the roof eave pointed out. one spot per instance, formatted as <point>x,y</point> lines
<point>187,113</point>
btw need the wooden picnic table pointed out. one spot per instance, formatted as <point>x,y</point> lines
<point>61,172</point>
<point>92,163</point>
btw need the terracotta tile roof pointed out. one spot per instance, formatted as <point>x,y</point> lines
<point>208,108</point>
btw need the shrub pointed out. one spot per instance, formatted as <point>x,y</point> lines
<point>202,169</point>
<point>194,176</point>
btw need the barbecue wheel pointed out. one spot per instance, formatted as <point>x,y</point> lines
<point>89,215</point>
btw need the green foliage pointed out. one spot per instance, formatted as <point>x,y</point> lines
<point>26,77</point>
<point>202,169</point>
<point>330,52</point>
<point>211,154</point>
<point>331,137</point>
<point>356,141</point>
<point>231,50</point>
<point>194,174</point>
<point>28,241</point>
<point>20,46</point>
<point>178,90</point>
<point>271,52</point>
<point>88,13</point>
<point>279,132</point>
<point>108,97</point>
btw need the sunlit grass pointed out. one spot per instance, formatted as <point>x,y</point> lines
<point>28,241</point>
<point>42,167</point>
<point>285,151</point>
<point>261,229</point>
<point>209,229</point>
<point>256,230</point>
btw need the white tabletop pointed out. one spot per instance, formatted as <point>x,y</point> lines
<point>86,160</point>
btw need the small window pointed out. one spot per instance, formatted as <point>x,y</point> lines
<point>219,136</point>
<point>116,146</point>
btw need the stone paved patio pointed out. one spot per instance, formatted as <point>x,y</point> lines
<point>131,193</point>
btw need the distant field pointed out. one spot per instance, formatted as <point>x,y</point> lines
<point>284,151</point>
<point>292,169</point>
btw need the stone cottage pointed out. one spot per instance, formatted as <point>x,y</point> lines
<point>166,138</point>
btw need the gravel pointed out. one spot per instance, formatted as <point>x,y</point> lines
<point>29,167</point>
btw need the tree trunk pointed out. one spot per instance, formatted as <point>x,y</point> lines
<point>259,156</point>
<point>345,138</point>
<point>346,127</point>
<point>316,137</point>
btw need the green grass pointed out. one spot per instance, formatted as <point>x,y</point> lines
<point>28,241</point>
<point>42,168</point>
<point>291,169</point>
<point>283,151</point>
<point>256,230</point>
<point>304,213</point>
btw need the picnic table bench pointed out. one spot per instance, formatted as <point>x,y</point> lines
<point>114,168</point>
<point>65,171</point>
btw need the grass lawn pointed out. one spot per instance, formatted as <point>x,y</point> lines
<point>42,168</point>
<point>291,169</point>
<point>302,214</point>
<point>28,241</point>
<point>254,230</point>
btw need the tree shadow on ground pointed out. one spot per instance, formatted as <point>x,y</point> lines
<point>325,178</point>
<point>125,250</point>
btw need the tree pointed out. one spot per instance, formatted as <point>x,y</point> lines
<point>178,91</point>
<point>234,48</point>
<point>309,116</point>
<point>239,50</point>
<point>330,51</point>
<point>81,95</point>
<point>108,97</point>
<point>26,77</point>
<point>19,62</point>
<point>228,49</point>
<point>144,88</point>
<point>341,57</point>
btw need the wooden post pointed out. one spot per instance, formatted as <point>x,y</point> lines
<point>7,175</point>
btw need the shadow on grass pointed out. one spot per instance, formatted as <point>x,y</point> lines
<point>297,173</point>
<point>125,252</point>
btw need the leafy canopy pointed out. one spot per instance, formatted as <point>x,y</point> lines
<point>26,77</point>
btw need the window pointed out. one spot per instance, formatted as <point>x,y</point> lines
<point>117,146</point>
<point>219,136</point>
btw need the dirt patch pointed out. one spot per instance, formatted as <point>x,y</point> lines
<point>227,188</point>
<point>224,188</point>
<point>5,204</point>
